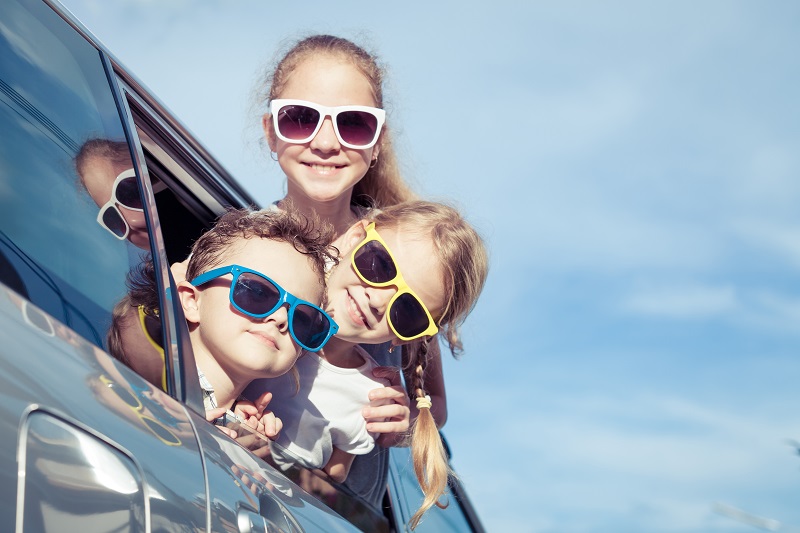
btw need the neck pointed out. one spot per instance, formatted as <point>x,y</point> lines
<point>226,387</point>
<point>336,212</point>
<point>341,353</point>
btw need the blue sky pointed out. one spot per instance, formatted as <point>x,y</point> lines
<point>635,167</point>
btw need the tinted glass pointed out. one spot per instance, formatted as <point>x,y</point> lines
<point>375,263</point>
<point>255,294</point>
<point>67,241</point>
<point>309,325</point>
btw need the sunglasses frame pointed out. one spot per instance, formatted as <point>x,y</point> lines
<point>147,421</point>
<point>398,281</point>
<point>284,297</point>
<point>324,111</point>
<point>143,315</point>
<point>111,204</point>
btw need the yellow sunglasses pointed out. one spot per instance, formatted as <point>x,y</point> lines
<point>376,266</point>
<point>151,326</point>
<point>158,428</point>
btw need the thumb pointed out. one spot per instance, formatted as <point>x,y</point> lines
<point>263,401</point>
<point>213,414</point>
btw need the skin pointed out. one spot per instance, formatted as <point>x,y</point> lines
<point>98,178</point>
<point>232,348</point>
<point>148,361</point>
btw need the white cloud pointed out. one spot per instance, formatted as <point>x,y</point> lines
<point>780,239</point>
<point>682,301</point>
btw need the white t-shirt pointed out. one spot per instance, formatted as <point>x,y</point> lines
<point>324,413</point>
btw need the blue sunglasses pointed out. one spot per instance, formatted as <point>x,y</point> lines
<point>256,295</point>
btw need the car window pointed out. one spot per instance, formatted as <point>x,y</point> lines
<point>72,223</point>
<point>407,496</point>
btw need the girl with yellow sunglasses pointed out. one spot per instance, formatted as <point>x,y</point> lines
<point>405,273</point>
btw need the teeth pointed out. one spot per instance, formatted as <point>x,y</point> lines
<point>355,308</point>
<point>324,169</point>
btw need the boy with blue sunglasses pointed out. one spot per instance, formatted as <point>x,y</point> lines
<point>252,304</point>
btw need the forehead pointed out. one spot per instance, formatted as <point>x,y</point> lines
<point>98,177</point>
<point>328,80</point>
<point>417,260</point>
<point>279,261</point>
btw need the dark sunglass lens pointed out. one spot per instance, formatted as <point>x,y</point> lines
<point>255,294</point>
<point>154,330</point>
<point>126,396</point>
<point>310,326</point>
<point>357,127</point>
<point>297,122</point>
<point>128,193</point>
<point>161,431</point>
<point>408,316</point>
<point>374,263</point>
<point>114,221</point>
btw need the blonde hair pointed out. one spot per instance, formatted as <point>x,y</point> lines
<point>383,184</point>
<point>462,254</point>
<point>117,153</point>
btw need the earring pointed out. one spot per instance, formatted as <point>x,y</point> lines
<point>374,162</point>
<point>273,155</point>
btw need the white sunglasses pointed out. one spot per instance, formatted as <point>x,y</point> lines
<point>124,192</point>
<point>298,121</point>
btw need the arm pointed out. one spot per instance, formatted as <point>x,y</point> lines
<point>339,465</point>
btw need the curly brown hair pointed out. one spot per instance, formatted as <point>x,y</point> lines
<point>308,236</point>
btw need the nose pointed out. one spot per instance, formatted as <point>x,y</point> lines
<point>326,140</point>
<point>280,318</point>
<point>379,298</point>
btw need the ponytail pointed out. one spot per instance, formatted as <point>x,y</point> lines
<point>427,450</point>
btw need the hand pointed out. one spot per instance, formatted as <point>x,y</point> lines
<point>256,415</point>
<point>388,413</point>
<point>213,414</point>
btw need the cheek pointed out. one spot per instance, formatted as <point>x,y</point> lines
<point>360,156</point>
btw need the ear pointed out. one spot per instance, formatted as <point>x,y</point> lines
<point>269,133</point>
<point>354,235</point>
<point>190,301</point>
<point>376,150</point>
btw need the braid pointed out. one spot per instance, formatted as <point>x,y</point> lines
<point>427,450</point>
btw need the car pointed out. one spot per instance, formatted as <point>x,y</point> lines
<point>101,409</point>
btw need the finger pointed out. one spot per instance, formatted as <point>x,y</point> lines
<point>213,414</point>
<point>387,427</point>
<point>270,424</point>
<point>397,394</point>
<point>228,431</point>
<point>253,422</point>
<point>245,409</point>
<point>263,401</point>
<point>389,411</point>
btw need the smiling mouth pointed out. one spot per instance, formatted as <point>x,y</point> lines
<point>355,312</point>
<point>324,169</point>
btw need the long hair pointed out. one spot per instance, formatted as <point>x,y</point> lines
<point>383,184</point>
<point>464,262</point>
